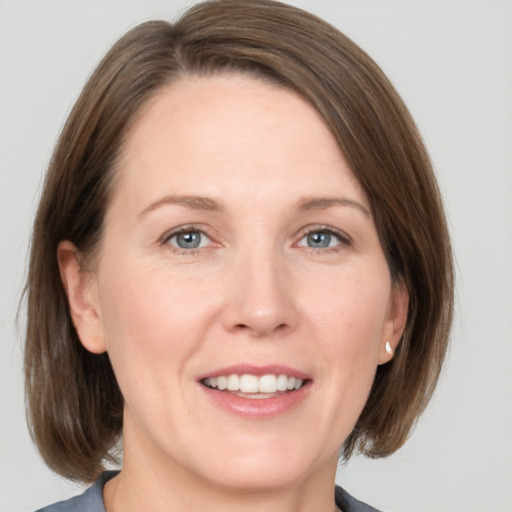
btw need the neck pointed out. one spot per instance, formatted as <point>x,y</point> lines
<point>127,494</point>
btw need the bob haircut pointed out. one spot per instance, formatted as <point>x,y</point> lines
<point>73,400</point>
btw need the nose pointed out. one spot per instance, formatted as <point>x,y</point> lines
<point>260,299</point>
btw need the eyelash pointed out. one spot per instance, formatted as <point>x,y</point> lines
<point>165,239</point>
<point>343,238</point>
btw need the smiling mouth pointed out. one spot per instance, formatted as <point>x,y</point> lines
<point>255,387</point>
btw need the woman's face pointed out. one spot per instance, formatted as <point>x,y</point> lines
<point>238,242</point>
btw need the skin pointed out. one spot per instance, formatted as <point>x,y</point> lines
<point>254,292</point>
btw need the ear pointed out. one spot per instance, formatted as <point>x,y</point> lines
<point>395,322</point>
<point>81,291</point>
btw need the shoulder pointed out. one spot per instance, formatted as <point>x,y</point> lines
<point>348,503</point>
<point>89,501</point>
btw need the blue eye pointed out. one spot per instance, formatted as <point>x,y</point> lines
<point>319,240</point>
<point>189,239</point>
<point>322,239</point>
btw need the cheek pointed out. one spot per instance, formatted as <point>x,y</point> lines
<point>149,317</point>
<point>152,329</point>
<point>350,315</point>
<point>345,323</point>
<point>348,327</point>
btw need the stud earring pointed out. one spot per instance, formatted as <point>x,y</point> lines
<point>389,349</point>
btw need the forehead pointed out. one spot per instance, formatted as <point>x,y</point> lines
<point>217,131</point>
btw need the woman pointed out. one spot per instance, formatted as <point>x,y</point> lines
<point>240,266</point>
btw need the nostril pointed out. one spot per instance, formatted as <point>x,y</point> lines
<point>261,331</point>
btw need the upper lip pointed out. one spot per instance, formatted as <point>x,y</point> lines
<point>241,369</point>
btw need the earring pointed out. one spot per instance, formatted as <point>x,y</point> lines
<point>389,349</point>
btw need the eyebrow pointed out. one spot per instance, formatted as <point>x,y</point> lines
<point>208,204</point>
<point>322,203</point>
<point>192,202</point>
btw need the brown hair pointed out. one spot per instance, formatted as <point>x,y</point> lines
<point>74,402</point>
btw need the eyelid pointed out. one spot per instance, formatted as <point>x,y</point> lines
<point>338,233</point>
<point>342,236</point>
<point>164,239</point>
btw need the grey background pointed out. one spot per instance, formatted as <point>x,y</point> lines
<point>451,60</point>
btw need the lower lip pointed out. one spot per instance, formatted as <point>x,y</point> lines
<point>257,408</point>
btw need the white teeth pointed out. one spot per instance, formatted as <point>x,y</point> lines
<point>222,383</point>
<point>233,383</point>
<point>247,383</point>
<point>267,384</point>
<point>282,383</point>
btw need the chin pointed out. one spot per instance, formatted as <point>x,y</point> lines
<point>259,479</point>
<point>263,469</point>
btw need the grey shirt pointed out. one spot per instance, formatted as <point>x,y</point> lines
<point>92,500</point>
